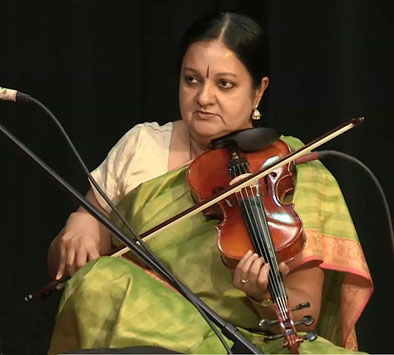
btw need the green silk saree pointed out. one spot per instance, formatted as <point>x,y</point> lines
<point>113,302</point>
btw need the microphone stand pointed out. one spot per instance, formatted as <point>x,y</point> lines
<point>230,331</point>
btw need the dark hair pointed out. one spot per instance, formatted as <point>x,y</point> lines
<point>238,33</point>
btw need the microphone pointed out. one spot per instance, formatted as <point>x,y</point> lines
<point>13,95</point>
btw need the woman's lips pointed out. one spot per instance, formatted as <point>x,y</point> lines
<point>205,114</point>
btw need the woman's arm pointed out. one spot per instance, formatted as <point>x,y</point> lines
<point>82,239</point>
<point>302,285</point>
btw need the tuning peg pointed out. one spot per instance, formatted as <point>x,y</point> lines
<point>301,306</point>
<point>306,320</point>
<point>265,324</point>
<point>310,335</point>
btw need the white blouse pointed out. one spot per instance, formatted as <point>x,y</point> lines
<point>140,155</point>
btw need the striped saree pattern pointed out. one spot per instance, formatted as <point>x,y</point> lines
<point>114,302</point>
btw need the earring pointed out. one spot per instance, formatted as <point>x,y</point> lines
<point>256,115</point>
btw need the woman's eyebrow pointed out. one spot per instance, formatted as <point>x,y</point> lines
<point>216,74</point>
<point>226,73</point>
<point>191,69</point>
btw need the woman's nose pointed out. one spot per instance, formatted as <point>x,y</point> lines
<point>206,95</point>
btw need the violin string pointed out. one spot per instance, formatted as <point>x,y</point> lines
<point>260,220</point>
<point>275,289</point>
<point>274,270</point>
<point>256,232</point>
<point>273,261</point>
<point>274,264</point>
<point>262,247</point>
<point>265,243</point>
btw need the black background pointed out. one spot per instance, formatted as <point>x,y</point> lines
<point>102,66</point>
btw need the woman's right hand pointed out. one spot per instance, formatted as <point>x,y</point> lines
<point>82,239</point>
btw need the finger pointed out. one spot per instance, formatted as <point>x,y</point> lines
<point>284,269</point>
<point>237,271</point>
<point>62,264</point>
<point>244,270</point>
<point>254,270</point>
<point>262,280</point>
<point>80,259</point>
<point>70,266</point>
<point>93,255</point>
<point>244,258</point>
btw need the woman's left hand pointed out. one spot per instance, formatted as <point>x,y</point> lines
<point>251,275</point>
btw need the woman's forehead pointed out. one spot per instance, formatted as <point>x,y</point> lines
<point>213,55</point>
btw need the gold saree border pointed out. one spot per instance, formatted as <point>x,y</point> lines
<point>343,255</point>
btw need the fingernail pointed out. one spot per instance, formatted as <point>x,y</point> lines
<point>255,255</point>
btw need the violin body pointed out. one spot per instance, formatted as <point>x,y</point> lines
<point>209,174</point>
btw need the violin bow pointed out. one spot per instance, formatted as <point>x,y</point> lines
<point>202,205</point>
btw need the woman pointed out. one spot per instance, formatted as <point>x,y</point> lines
<point>115,303</point>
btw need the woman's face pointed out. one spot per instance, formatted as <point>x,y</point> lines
<point>215,92</point>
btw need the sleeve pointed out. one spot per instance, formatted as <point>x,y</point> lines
<point>112,174</point>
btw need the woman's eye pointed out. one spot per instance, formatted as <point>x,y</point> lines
<point>191,80</point>
<point>224,84</point>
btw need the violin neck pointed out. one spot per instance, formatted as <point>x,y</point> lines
<point>255,202</point>
<point>252,210</point>
<point>257,225</point>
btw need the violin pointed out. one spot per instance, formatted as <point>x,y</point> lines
<point>254,218</point>
<point>236,186</point>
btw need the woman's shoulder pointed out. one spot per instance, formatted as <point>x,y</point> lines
<point>149,129</point>
<point>294,143</point>
<point>143,133</point>
<point>154,127</point>
<point>154,136</point>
